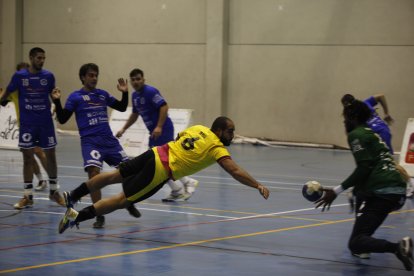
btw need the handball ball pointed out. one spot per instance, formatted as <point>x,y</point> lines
<point>312,190</point>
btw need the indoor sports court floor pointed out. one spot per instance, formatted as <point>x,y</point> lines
<point>224,229</point>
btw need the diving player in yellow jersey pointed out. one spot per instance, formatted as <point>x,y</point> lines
<point>194,149</point>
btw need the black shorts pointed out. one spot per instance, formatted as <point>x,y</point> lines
<point>138,174</point>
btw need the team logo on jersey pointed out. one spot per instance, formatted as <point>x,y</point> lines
<point>51,140</point>
<point>356,146</point>
<point>26,137</point>
<point>25,82</point>
<point>86,98</point>
<point>95,154</point>
<point>43,82</point>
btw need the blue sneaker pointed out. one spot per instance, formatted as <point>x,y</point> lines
<point>68,220</point>
<point>68,200</point>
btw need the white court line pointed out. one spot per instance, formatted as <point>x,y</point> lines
<point>89,203</point>
<point>285,212</point>
<point>226,218</point>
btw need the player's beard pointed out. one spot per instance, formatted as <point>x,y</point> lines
<point>225,141</point>
<point>38,67</point>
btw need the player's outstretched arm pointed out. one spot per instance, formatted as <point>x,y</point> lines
<point>122,85</point>
<point>121,105</point>
<point>62,114</point>
<point>380,98</point>
<point>3,97</point>
<point>242,176</point>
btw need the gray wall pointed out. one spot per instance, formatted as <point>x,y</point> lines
<point>277,67</point>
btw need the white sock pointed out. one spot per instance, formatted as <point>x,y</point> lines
<point>188,180</point>
<point>185,179</point>
<point>175,185</point>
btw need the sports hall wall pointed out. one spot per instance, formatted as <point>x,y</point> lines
<point>278,68</point>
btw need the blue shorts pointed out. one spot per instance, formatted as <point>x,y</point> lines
<point>166,136</point>
<point>97,149</point>
<point>43,136</point>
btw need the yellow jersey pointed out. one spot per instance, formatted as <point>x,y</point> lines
<point>196,148</point>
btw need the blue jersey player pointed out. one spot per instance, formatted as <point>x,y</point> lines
<point>148,103</point>
<point>34,86</point>
<point>97,141</point>
<point>375,122</point>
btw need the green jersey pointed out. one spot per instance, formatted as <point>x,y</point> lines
<point>375,172</point>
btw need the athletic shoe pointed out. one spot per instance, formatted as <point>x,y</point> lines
<point>410,188</point>
<point>56,197</point>
<point>176,197</point>
<point>68,220</point>
<point>190,186</point>
<point>68,199</point>
<point>24,202</point>
<point>99,223</point>
<point>363,256</point>
<point>410,193</point>
<point>133,211</point>
<point>42,185</point>
<point>405,252</point>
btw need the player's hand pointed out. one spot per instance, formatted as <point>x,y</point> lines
<point>388,119</point>
<point>351,201</point>
<point>56,94</point>
<point>119,133</point>
<point>122,85</point>
<point>156,133</point>
<point>5,101</point>
<point>263,191</point>
<point>326,200</point>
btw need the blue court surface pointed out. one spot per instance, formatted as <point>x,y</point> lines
<point>226,228</point>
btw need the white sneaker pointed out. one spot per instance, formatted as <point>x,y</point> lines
<point>190,186</point>
<point>410,188</point>
<point>58,198</point>
<point>179,195</point>
<point>41,185</point>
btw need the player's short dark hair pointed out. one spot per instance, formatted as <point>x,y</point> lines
<point>358,111</point>
<point>347,99</point>
<point>88,67</point>
<point>22,65</point>
<point>136,71</point>
<point>34,51</point>
<point>220,123</point>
